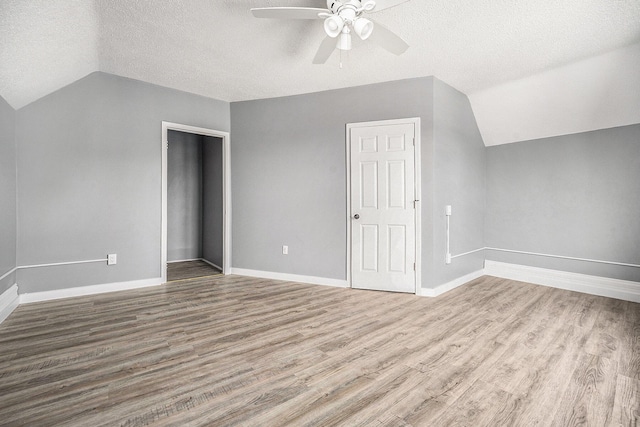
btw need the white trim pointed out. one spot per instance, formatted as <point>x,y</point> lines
<point>418,197</point>
<point>185,260</point>
<point>226,191</point>
<point>88,290</point>
<point>9,300</point>
<point>564,257</point>
<point>446,287</point>
<point>197,259</point>
<point>599,261</point>
<point>211,264</point>
<point>53,264</point>
<point>594,285</point>
<point>468,253</point>
<point>8,273</point>
<point>415,121</point>
<point>291,277</point>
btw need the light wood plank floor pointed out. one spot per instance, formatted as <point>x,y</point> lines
<point>189,270</point>
<point>231,350</point>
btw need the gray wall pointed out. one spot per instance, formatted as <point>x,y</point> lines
<point>89,178</point>
<point>288,174</point>
<point>459,174</point>
<point>289,183</point>
<point>212,201</point>
<point>88,166</point>
<point>184,196</point>
<point>574,195</point>
<point>7,195</point>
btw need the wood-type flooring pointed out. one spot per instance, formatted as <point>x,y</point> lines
<point>189,270</point>
<point>232,350</point>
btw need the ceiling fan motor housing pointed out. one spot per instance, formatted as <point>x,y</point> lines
<point>334,6</point>
<point>338,6</point>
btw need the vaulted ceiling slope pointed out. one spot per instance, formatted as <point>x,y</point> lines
<point>502,53</point>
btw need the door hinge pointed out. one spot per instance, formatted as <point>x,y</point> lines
<point>414,203</point>
<point>414,266</point>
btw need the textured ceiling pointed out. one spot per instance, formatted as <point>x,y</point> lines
<point>45,45</point>
<point>217,49</point>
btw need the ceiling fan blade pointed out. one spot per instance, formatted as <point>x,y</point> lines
<point>388,39</point>
<point>288,12</point>
<point>325,50</point>
<point>386,4</point>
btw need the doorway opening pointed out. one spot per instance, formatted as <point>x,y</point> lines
<point>196,202</point>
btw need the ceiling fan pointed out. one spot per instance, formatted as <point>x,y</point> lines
<point>341,18</point>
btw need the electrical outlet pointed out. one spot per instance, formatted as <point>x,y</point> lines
<point>447,259</point>
<point>285,250</point>
<point>447,210</point>
<point>112,259</point>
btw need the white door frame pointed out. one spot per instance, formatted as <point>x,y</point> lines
<point>417,188</point>
<point>226,191</point>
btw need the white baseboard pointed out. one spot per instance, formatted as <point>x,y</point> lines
<point>291,277</point>
<point>197,259</point>
<point>594,285</point>
<point>9,300</point>
<point>211,264</point>
<point>184,260</point>
<point>446,287</point>
<point>88,290</point>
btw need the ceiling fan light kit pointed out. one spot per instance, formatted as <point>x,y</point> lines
<point>333,26</point>
<point>340,18</point>
<point>363,28</point>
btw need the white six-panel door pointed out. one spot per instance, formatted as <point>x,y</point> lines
<point>383,215</point>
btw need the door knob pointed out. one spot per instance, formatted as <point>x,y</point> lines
<point>356,216</point>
